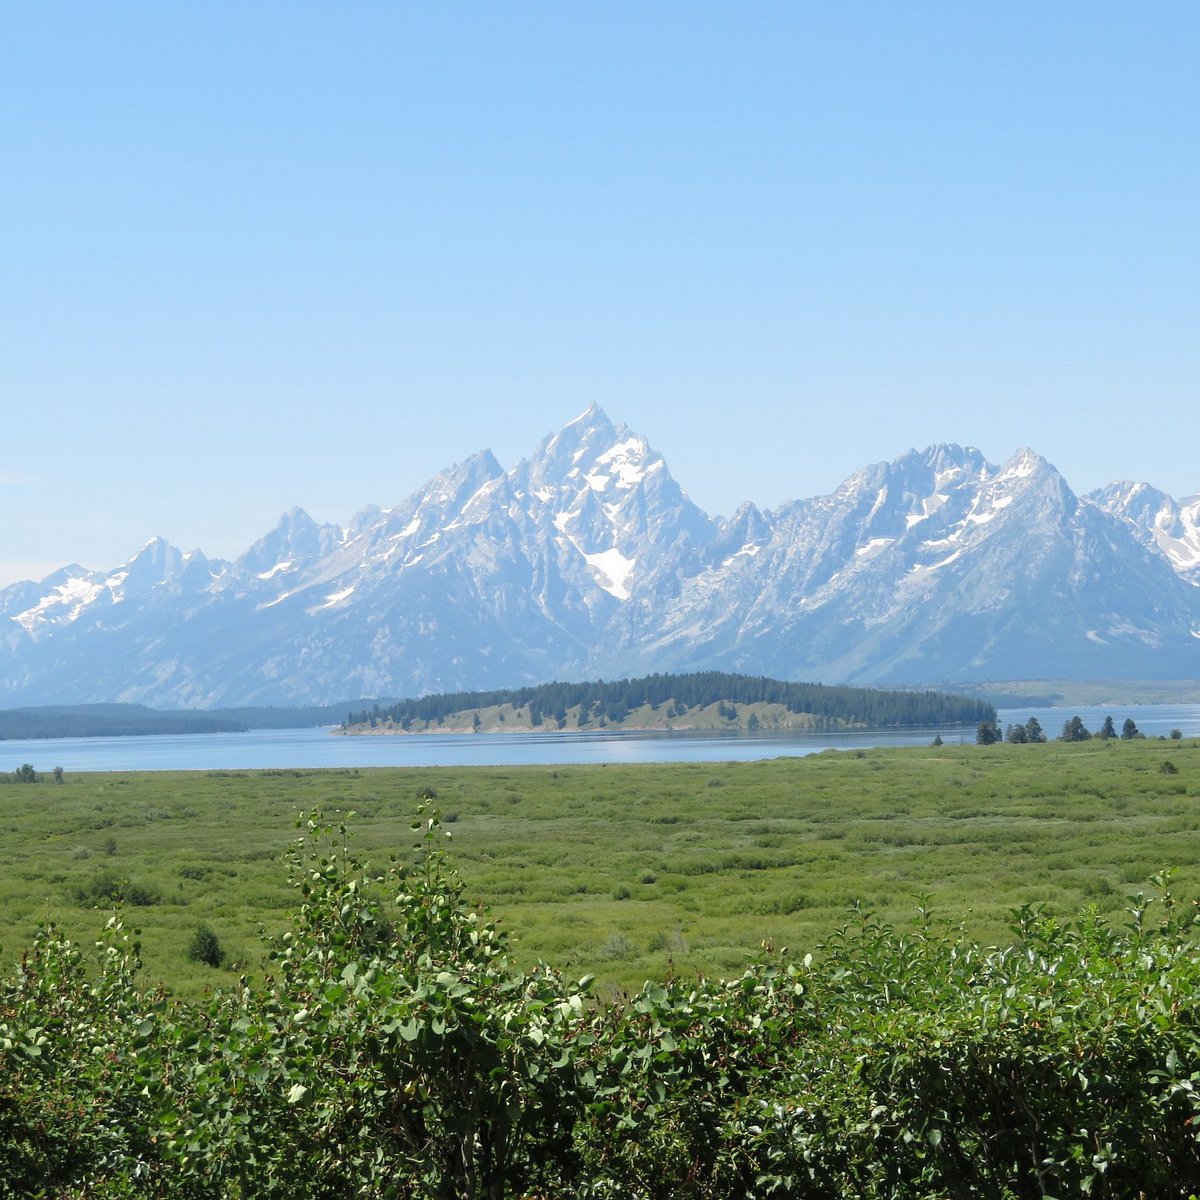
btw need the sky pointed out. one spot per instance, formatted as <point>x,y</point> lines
<point>259,254</point>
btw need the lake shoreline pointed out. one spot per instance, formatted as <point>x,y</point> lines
<point>313,748</point>
<point>610,730</point>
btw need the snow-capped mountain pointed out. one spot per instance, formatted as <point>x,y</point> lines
<point>939,566</point>
<point>587,559</point>
<point>1170,526</point>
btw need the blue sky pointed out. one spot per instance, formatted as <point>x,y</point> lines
<point>265,254</point>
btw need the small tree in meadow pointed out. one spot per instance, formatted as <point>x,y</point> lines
<point>987,733</point>
<point>205,947</point>
<point>1074,730</point>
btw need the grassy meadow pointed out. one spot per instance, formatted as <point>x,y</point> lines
<point>630,871</point>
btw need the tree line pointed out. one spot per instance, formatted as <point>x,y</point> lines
<point>26,773</point>
<point>614,700</point>
<point>108,720</point>
<point>988,733</point>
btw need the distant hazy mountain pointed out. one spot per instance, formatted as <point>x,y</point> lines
<point>588,560</point>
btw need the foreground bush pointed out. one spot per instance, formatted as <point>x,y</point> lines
<point>394,1051</point>
<point>72,1109</point>
<point>918,1065</point>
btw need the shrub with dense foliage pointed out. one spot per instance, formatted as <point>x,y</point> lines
<point>394,1051</point>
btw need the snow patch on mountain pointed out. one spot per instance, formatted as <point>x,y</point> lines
<point>749,550</point>
<point>613,570</point>
<point>64,604</point>
<point>338,597</point>
<point>873,547</point>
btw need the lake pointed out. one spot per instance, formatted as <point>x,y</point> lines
<point>284,748</point>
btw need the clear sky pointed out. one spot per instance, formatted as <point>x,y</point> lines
<point>259,254</point>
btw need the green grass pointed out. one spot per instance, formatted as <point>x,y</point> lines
<point>627,871</point>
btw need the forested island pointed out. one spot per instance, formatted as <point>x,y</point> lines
<point>704,700</point>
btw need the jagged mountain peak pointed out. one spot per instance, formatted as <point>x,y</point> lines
<point>457,483</point>
<point>446,496</point>
<point>295,518</point>
<point>462,494</point>
<point>592,423</point>
<point>68,573</point>
<point>567,454</point>
<point>591,453</point>
<point>365,518</point>
<point>608,509</point>
<point>590,428</point>
<point>920,471</point>
<point>885,500</point>
<point>1042,490</point>
<point>158,565</point>
<point>293,524</point>
<point>294,543</point>
<point>458,495</point>
<point>749,518</point>
<point>928,477</point>
<point>1140,502</point>
<point>943,458</point>
<point>156,560</point>
<point>1023,463</point>
<point>154,549</point>
<point>595,466</point>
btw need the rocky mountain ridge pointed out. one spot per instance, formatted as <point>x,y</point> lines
<point>588,560</point>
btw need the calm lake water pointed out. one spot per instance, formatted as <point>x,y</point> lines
<point>282,748</point>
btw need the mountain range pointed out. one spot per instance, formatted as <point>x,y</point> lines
<point>588,560</point>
